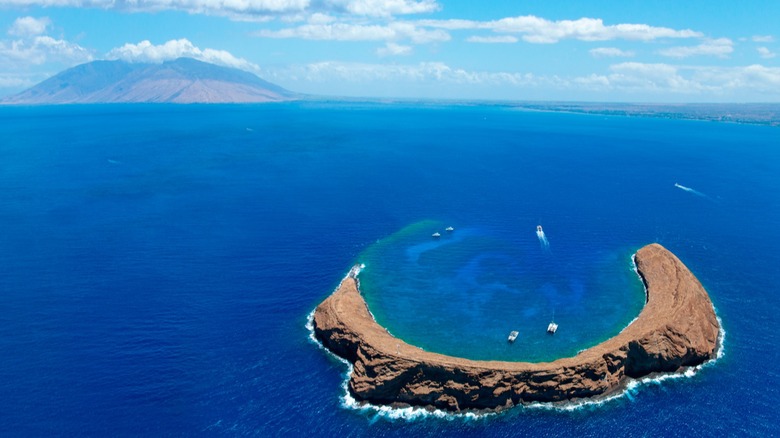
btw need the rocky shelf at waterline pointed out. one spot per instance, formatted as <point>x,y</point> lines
<point>677,328</point>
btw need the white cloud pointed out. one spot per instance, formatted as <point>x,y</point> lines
<point>766,53</point>
<point>720,47</point>
<point>393,49</point>
<point>192,6</point>
<point>319,18</point>
<point>753,77</point>
<point>610,52</point>
<point>389,7</point>
<point>29,26</point>
<point>763,38</point>
<point>651,77</point>
<point>454,24</point>
<point>421,73</point>
<point>40,50</point>
<point>534,29</point>
<point>145,51</point>
<point>336,32</point>
<point>686,80</point>
<point>530,28</point>
<point>30,55</point>
<point>593,81</point>
<point>492,39</point>
<point>248,9</point>
<point>627,78</point>
<point>539,30</point>
<point>357,32</point>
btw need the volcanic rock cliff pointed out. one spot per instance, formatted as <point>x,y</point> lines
<point>677,328</point>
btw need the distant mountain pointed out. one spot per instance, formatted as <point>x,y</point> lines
<point>183,80</point>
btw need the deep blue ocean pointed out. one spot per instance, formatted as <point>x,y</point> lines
<point>158,263</point>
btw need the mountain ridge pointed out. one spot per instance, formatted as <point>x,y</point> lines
<point>183,80</point>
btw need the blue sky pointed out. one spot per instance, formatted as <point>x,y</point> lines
<point>596,50</point>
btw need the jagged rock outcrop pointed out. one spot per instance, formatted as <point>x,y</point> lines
<point>677,328</point>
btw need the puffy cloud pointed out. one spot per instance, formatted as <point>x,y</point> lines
<point>30,55</point>
<point>29,26</point>
<point>40,50</point>
<point>393,49</point>
<point>535,29</point>
<point>492,39</point>
<point>610,52</point>
<point>357,32</point>
<point>766,53</point>
<point>540,30</point>
<point>720,47</point>
<point>145,51</point>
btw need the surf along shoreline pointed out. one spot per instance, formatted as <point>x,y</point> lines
<point>676,329</point>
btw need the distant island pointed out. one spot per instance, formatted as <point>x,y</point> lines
<point>676,329</point>
<point>750,113</point>
<point>184,80</point>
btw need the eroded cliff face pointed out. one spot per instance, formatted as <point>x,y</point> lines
<point>677,328</point>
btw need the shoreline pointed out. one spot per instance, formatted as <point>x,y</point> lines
<point>675,331</point>
<point>413,412</point>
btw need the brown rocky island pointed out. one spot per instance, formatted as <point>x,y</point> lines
<point>677,328</point>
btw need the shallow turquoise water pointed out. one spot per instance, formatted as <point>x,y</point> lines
<point>462,294</point>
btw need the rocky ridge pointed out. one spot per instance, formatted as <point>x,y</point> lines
<point>676,329</point>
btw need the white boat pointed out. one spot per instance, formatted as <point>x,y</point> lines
<point>513,335</point>
<point>449,229</point>
<point>539,229</point>
<point>552,328</point>
<point>436,234</point>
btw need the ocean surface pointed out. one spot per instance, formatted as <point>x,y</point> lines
<point>158,263</point>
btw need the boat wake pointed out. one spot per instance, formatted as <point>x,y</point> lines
<point>690,190</point>
<point>542,238</point>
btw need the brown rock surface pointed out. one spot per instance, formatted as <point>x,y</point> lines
<point>676,328</point>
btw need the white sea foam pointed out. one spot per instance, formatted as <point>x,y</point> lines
<point>543,240</point>
<point>690,190</point>
<point>380,411</point>
<point>414,413</point>
<point>634,385</point>
<point>406,413</point>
